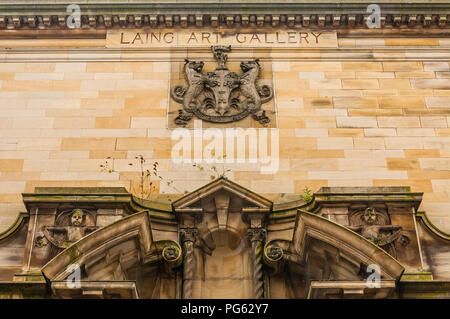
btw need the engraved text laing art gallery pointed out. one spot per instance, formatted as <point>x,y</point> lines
<point>216,38</point>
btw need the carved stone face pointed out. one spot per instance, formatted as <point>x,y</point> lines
<point>77,217</point>
<point>369,215</point>
<point>246,66</point>
<point>196,66</point>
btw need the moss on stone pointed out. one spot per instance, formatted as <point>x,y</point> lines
<point>73,253</point>
<point>417,276</point>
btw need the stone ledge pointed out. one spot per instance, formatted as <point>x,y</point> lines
<point>424,289</point>
<point>416,276</point>
<point>364,190</point>
<point>97,197</point>
<point>80,190</point>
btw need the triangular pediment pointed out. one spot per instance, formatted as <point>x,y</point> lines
<point>222,185</point>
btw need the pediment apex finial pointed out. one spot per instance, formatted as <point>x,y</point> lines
<point>219,185</point>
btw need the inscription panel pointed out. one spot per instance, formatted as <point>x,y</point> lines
<point>157,38</point>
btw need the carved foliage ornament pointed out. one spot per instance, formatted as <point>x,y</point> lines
<point>221,96</point>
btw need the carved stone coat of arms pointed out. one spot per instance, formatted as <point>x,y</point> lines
<point>221,96</point>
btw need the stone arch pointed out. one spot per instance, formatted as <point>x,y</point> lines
<point>120,256</point>
<point>326,259</point>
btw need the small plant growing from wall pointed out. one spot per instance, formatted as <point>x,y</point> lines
<point>215,171</point>
<point>107,166</point>
<point>146,186</point>
<point>147,177</point>
<point>306,196</point>
<point>146,183</point>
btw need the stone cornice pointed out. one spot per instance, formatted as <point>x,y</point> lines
<point>422,217</point>
<point>348,195</point>
<point>97,15</point>
<point>16,226</point>
<point>97,197</point>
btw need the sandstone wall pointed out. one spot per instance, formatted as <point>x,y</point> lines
<point>360,116</point>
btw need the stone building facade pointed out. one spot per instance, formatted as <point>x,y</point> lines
<point>356,112</point>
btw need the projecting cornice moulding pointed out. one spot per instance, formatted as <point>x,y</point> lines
<point>16,15</point>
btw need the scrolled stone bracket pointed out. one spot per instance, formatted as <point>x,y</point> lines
<point>273,257</point>
<point>172,257</point>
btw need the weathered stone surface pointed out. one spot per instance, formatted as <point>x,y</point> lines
<point>361,106</point>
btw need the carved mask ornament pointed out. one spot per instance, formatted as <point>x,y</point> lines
<point>221,96</point>
<point>376,227</point>
<point>77,217</point>
<point>63,235</point>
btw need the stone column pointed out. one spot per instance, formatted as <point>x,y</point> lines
<point>188,237</point>
<point>257,237</point>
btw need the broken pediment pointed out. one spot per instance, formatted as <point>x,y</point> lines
<point>251,199</point>
<point>222,225</point>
